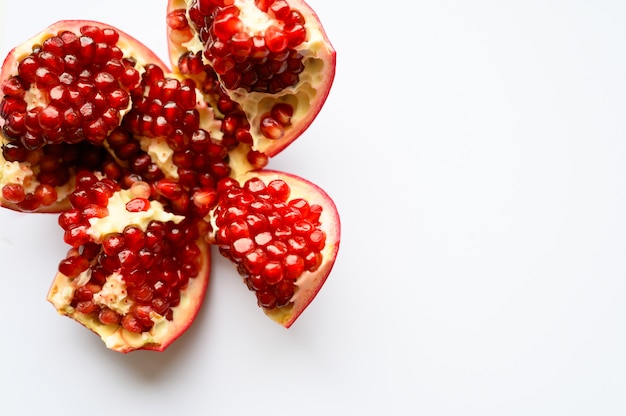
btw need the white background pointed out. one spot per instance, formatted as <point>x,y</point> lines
<point>476,152</point>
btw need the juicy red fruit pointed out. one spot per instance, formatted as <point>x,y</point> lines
<point>106,121</point>
<point>256,60</point>
<point>85,82</point>
<point>153,265</point>
<point>272,239</point>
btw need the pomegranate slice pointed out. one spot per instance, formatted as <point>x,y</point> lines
<point>63,92</point>
<point>136,274</point>
<point>283,234</point>
<point>266,65</point>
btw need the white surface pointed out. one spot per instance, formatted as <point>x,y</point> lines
<point>476,152</point>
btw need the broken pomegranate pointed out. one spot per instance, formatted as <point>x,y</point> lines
<point>63,92</point>
<point>149,167</point>
<point>266,66</point>
<point>282,232</point>
<point>136,274</point>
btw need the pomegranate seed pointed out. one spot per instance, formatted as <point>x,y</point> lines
<point>108,316</point>
<point>272,272</point>
<point>282,113</point>
<point>257,159</point>
<point>69,219</point>
<point>271,128</point>
<point>131,323</point>
<point>284,292</point>
<point>293,266</point>
<point>279,190</point>
<point>94,211</point>
<point>177,19</point>
<point>279,9</point>
<point>128,259</point>
<point>138,205</point>
<point>134,238</point>
<point>73,266</point>
<point>77,235</point>
<point>275,39</point>
<point>266,299</point>
<point>30,203</point>
<point>13,87</point>
<point>13,193</point>
<point>87,307</point>
<point>86,292</point>
<point>226,24</point>
<point>113,244</point>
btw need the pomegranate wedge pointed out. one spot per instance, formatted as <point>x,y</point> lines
<point>267,66</point>
<point>283,233</point>
<point>63,92</point>
<point>136,274</point>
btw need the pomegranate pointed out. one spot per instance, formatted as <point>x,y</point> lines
<point>282,232</point>
<point>149,167</point>
<point>136,274</point>
<point>271,57</point>
<point>266,68</point>
<point>63,92</point>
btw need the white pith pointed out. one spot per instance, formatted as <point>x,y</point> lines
<point>119,217</point>
<point>161,154</point>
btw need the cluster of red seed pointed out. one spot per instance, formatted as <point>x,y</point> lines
<point>155,264</point>
<point>264,61</point>
<point>271,238</point>
<point>168,108</point>
<point>85,80</point>
<point>235,126</point>
<point>53,166</point>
